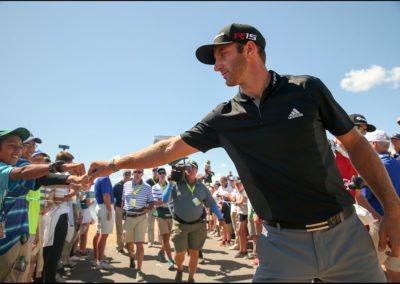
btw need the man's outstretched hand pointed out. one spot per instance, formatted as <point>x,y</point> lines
<point>99,169</point>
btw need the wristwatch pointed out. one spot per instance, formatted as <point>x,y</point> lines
<point>56,167</point>
<point>112,165</point>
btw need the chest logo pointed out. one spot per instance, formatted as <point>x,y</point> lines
<point>295,114</point>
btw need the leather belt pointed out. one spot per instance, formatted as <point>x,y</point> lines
<point>134,215</point>
<point>323,225</point>
<point>189,223</point>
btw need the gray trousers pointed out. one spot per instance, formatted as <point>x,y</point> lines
<point>344,253</point>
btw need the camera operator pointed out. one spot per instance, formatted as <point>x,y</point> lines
<point>189,230</point>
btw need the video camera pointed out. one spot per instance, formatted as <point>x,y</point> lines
<point>178,171</point>
<point>357,182</point>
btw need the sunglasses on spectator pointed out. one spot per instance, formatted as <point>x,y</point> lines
<point>137,172</point>
<point>162,173</point>
<point>127,174</point>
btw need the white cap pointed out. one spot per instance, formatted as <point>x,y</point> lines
<point>377,136</point>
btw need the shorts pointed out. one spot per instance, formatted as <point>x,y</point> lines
<point>164,225</point>
<point>135,228</point>
<point>86,216</point>
<point>242,217</point>
<point>104,226</point>
<point>188,236</point>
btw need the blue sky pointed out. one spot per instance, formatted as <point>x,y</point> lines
<point>106,77</point>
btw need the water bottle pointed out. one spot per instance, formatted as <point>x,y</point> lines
<point>20,265</point>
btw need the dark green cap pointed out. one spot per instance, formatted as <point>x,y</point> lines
<point>232,33</point>
<point>23,133</point>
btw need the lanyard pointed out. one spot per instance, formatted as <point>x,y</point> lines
<point>137,190</point>
<point>163,186</point>
<point>191,188</point>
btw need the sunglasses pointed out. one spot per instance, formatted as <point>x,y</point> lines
<point>127,174</point>
<point>162,173</point>
<point>137,172</point>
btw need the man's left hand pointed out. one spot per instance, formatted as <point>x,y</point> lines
<point>389,231</point>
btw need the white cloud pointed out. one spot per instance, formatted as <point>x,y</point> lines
<point>365,79</point>
<point>223,165</point>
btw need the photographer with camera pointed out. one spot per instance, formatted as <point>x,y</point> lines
<point>189,230</point>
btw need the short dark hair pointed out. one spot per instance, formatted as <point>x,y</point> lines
<point>261,51</point>
<point>64,156</point>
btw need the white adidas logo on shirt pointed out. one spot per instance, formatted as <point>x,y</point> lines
<point>294,114</point>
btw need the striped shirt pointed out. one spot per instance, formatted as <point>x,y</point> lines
<point>15,206</point>
<point>157,192</point>
<point>163,210</point>
<point>136,196</point>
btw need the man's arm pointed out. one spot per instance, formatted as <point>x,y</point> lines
<point>38,170</point>
<point>157,154</point>
<point>107,203</point>
<point>370,167</point>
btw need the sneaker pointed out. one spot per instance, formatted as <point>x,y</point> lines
<point>234,247</point>
<point>161,256</point>
<point>93,262</point>
<point>70,264</point>
<point>139,276</point>
<point>59,279</point>
<point>171,265</point>
<point>241,254</point>
<point>74,258</point>
<point>251,256</point>
<point>104,265</point>
<point>121,251</point>
<point>191,280</point>
<point>202,261</point>
<point>150,245</point>
<point>178,276</point>
<point>132,263</point>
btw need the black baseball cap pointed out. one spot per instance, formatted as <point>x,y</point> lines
<point>232,33</point>
<point>395,136</point>
<point>359,119</point>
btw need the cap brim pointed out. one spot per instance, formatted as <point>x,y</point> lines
<point>205,53</point>
<point>370,128</point>
<point>23,133</point>
<point>37,140</point>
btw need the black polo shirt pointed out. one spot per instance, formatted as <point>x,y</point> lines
<point>280,149</point>
<point>117,191</point>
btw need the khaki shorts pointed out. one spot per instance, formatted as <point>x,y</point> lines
<point>104,226</point>
<point>135,228</point>
<point>164,225</point>
<point>8,260</point>
<point>188,236</point>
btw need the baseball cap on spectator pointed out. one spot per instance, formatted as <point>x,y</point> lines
<point>231,33</point>
<point>377,136</point>
<point>192,163</point>
<point>359,119</point>
<point>33,138</point>
<point>395,136</point>
<point>23,133</point>
<point>161,170</point>
<point>232,178</point>
<point>39,152</point>
<point>155,169</point>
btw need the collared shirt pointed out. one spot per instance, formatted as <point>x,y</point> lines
<point>14,206</point>
<point>117,191</point>
<point>188,205</point>
<point>136,195</point>
<point>280,148</point>
<point>101,186</point>
<point>393,168</point>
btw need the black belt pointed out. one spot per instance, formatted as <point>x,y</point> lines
<point>190,223</point>
<point>134,215</point>
<point>327,224</point>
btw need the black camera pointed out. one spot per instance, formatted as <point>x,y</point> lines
<point>357,182</point>
<point>178,172</point>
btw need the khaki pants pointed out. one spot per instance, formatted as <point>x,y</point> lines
<point>119,228</point>
<point>10,258</point>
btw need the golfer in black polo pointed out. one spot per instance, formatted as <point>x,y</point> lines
<point>294,186</point>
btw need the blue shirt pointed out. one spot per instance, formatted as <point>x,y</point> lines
<point>103,185</point>
<point>393,168</point>
<point>14,206</point>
